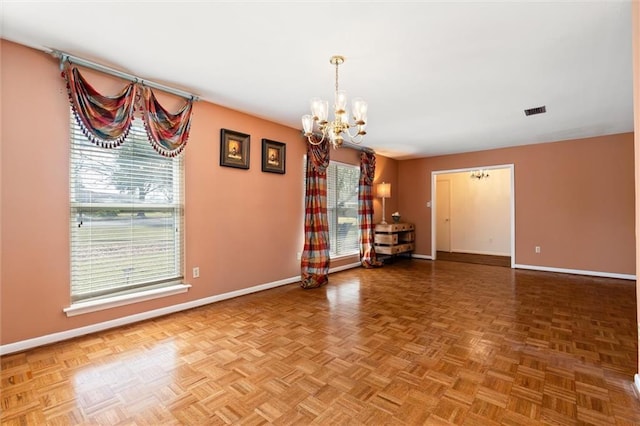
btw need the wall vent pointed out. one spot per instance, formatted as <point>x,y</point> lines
<point>538,110</point>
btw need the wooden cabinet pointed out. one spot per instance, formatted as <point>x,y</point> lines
<point>394,238</point>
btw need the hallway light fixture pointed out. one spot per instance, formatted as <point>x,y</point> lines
<point>479,174</point>
<point>383,190</point>
<point>337,129</point>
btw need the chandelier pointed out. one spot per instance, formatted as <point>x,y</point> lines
<point>338,129</point>
<point>479,174</point>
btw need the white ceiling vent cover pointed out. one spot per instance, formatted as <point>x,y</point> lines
<point>538,110</point>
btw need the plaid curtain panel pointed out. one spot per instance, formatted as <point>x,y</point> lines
<point>315,256</point>
<point>368,256</point>
<point>106,120</point>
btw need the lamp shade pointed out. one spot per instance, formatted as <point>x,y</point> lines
<point>307,124</point>
<point>383,190</point>
<point>319,109</point>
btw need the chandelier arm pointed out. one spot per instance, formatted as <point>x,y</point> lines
<point>357,137</point>
<point>310,139</point>
<point>346,130</point>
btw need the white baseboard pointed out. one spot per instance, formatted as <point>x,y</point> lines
<point>487,253</point>
<point>76,332</point>
<point>576,272</point>
<point>421,256</point>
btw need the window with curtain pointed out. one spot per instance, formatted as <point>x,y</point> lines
<point>342,208</point>
<point>126,216</point>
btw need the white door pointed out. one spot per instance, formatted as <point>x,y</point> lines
<point>443,211</point>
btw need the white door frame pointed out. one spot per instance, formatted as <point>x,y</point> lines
<point>512,202</point>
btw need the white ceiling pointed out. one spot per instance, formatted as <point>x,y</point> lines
<point>439,77</point>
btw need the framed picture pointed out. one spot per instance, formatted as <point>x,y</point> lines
<point>234,149</point>
<point>274,156</point>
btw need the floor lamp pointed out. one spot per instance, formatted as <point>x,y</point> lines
<point>384,191</point>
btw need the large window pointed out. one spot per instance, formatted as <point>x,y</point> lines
<point>126,216</point>
<point>342,208</point>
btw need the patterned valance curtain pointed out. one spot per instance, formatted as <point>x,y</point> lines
<point>368,256</point>
<point>315,256</point>
<point>168,133</point>
<point>103,119</point>
<point>106,120</point>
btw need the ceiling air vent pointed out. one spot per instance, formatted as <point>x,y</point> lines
<point>532,111</point>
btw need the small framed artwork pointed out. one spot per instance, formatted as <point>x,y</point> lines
<point>274,156</point>
<point>234,149</point>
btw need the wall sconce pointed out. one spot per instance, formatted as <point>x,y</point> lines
<point>384,191</point>
<point>479,174</point>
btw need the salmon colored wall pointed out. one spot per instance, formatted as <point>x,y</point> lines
<point>386,171</point>
<point>575,199</point>
<point>244,228</point>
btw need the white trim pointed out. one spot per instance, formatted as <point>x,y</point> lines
<point>344,256</point>
<point>576,272</point>
<point>636,383</point>
<point>512,201</point>
<point>124,299</point>
<point>489,253</point>
<point>69,334</point>
<point>513,215</point>
<point>421,256</point>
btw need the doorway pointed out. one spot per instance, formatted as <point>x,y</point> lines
<point>473,215</point>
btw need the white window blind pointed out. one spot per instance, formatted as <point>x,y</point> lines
<point>126,216</point>
<point>342,208</point>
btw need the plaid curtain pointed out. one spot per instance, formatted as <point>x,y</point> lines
<point>106,120</point>
<point>368,256</point>
<point>168,133</point>
<point>315,256</point>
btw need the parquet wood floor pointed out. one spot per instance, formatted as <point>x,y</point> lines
<point>415,342</point>
<point>483,259</point>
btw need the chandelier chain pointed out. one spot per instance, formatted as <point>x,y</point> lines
<point>337,64</point>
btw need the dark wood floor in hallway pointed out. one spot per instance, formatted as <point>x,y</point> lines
<point>414,342</point>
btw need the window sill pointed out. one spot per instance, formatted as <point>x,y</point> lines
<point>345,256</point>
<point>125,299</point>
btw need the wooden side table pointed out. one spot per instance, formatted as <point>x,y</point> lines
<point>394,239</point>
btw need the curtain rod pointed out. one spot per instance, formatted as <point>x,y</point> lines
<point>358,147</point>
<point>346,144</point>
<point>120,74</point>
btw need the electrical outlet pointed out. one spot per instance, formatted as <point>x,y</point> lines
<point>537,249</point>
<point>196,272</point>
<point>299,256</point>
